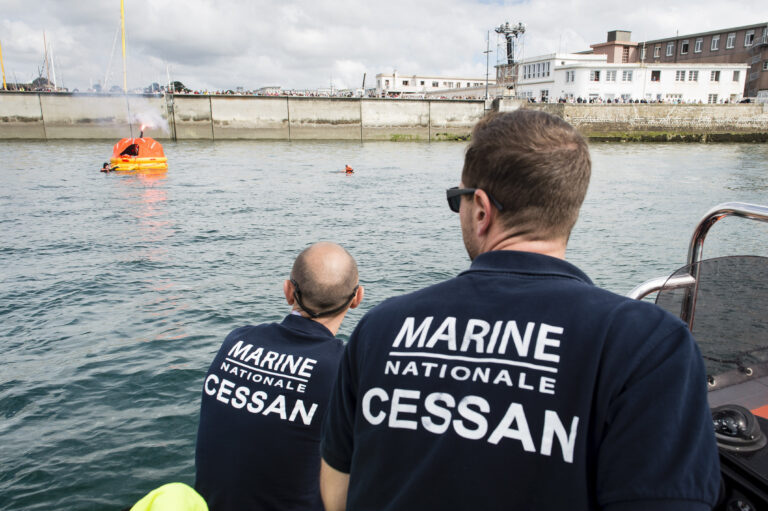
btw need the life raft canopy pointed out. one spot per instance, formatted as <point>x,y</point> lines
<point>144,153</point>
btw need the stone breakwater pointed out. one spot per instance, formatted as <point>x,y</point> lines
<point>661,122</point>
<point>48,116</point>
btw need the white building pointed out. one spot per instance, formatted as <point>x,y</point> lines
<point>553,77</point>
<point>395,84</point>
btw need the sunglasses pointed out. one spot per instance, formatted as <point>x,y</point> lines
<point>313,314</point>
<point>454,197</point>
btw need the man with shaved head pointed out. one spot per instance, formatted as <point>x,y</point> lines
<point>266,392</point>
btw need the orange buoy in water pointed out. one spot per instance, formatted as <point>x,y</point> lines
<point>137,154</point>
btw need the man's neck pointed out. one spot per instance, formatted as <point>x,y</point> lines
<point>332,323</point>
<point>553,248</point>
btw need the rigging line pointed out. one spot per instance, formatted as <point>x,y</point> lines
<point>111,56</point>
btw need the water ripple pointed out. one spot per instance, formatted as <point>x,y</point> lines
<point>117,290</point>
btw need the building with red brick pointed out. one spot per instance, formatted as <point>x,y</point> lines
<point>747,45</point>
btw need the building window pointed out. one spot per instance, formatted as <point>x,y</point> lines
<point>693,76</point>
<point>749,38</point>
<point>765,65</point>
<point>715,43</point>
<point>626,76</point>
<point>545,96</point>
<point>714,76</point>
<point>625,54</point>
<point>679,76</point>
<point>546,65</point>
<point>729,41</point>
<point>386,83</point>
<point>736,76</point>
<point>684,47</point>
<point>610,75</point>
<point>421,82</point>
<point>656,52</point>
<point>697,46</point>
<point>656,76</point>
<point>435,84</point>
<point>594,76</point>
<point>712,98</point>
<point>405,82</point>
<point>569,76</point>
<point>670,48</point>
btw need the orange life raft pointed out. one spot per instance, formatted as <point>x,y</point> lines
<point>142,153</point>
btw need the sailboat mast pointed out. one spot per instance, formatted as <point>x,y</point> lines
<point>5,87</point>
<point>122,25</point>
<point>53,70</point>
<point>47,68</point>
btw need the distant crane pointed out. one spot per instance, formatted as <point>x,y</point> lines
<point>511,33</point>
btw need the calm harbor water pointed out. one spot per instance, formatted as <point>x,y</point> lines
<point>116,290</point>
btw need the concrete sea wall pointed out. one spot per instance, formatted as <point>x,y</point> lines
<point>42,116</point>
<point>187,117</point>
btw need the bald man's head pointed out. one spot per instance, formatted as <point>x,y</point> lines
<point>326,275</point>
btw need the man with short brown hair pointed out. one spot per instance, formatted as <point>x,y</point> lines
<point>519,384</point>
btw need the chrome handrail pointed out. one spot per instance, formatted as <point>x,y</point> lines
<point>739,209</point>
<point>659,283</point>
<point>695,251</point>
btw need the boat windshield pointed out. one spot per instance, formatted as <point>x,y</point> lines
<point>730,320</point>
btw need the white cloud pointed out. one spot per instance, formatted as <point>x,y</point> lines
<point>302,43</point>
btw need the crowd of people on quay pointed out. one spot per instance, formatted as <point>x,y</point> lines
<point>623,101</point>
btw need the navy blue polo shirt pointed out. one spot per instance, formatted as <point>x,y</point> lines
<point>521,385</point>
<point>263,402</point>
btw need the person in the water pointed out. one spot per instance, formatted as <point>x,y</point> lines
<point>519,384</point>
<point>107,167</point>
<point>349,170</point>
<point>266,391</point>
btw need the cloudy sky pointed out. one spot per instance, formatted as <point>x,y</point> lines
<point>223,44</point>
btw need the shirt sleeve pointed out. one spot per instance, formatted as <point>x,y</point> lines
<point>336,434</point>
<point>658,448</point>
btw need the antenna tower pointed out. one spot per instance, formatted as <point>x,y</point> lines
<point>511,33</point>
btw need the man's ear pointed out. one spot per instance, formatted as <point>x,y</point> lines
<point>482,213</point>
<point>288,290</point>
<point>358,297</point>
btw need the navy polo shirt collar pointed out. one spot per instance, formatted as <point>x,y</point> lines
<point>306,326</point>
<point>526,263</point>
